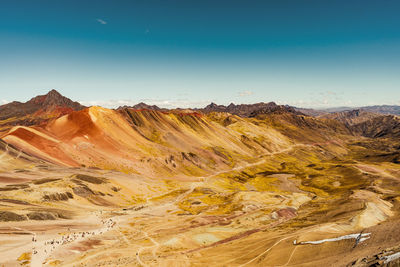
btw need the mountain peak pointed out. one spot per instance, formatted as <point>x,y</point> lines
<point>53,100</point>
<point>52,104</point>
<point>53,93</point>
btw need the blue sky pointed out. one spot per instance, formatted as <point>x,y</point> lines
<point>189,53</point>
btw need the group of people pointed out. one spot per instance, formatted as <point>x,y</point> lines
<point>108,223</point>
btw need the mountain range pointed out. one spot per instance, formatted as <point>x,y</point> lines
<point>380,109</point>
<point>239,185</point>
<point>43,108</point>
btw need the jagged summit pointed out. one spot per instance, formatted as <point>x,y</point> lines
<point>242,110</point>
<point>249,110</point>
<point>141,105</point>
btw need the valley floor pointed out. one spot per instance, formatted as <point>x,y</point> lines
<point>275,211</point>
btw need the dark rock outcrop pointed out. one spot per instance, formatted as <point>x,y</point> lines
<point>250,110</point>
<point>58,196</point>
<point>41,216</point>
<point>7,216</point>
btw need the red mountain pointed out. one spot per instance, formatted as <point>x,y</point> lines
<point>36,110</point>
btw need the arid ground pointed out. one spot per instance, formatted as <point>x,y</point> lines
<point>140,187</point>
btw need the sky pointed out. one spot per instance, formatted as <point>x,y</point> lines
<point>313,54</point>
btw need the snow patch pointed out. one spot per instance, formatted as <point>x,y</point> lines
<point>392,257</point>
<point>361,237</point>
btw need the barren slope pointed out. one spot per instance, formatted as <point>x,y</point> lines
<point>134,187</point>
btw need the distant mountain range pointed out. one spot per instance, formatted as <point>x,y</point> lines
<point>53,105</point>
<point>384,109</point>
<point>145,124</point>
<point>153,141</point>
<point>369,124</point>
<point>381,109</point>
<point>242,110</point>
<point>251,110</point>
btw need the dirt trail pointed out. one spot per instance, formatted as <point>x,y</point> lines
<point>204,179</point>
<point>46,249</point>
<point>43,250</point>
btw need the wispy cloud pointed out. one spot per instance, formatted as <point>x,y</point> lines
<point>3,101</point>
<point>101,21</point>
<point>245,93</point>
